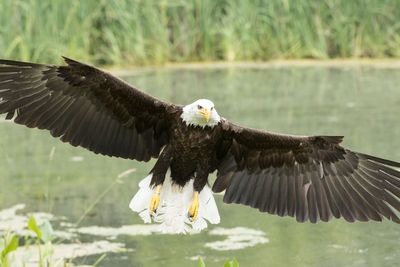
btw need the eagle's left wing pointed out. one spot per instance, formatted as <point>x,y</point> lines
<point>307,177</point>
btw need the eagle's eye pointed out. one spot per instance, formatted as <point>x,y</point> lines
<point>211,108</point>
<point>199,107</point>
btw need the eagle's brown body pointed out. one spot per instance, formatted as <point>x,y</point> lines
<point>308,177</point>
<point>190,154</point>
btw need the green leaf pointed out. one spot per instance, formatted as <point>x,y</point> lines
<point>32,225</point>
<point>11,245</point>
<point>2,244</point>
<point>232,263</point>
<point>201,262</point>
<point>47,231</point>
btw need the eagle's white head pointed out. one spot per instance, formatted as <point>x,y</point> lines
<point>200,113</point>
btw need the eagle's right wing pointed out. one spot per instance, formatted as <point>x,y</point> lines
<point>85,107</point>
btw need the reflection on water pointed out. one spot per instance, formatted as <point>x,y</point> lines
<point>362,103</point>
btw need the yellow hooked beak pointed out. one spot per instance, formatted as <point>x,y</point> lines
<point>206,113</point>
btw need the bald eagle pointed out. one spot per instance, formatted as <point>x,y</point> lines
<point>310,178</point>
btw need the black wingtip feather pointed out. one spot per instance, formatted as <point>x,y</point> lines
<point>17,63</point>
<point>381,160</point>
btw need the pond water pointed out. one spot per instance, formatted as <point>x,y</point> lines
<point>362,103</point>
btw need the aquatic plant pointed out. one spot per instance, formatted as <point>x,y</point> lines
<point>229,263</point>
<point>8,244</point>
<point>44,235</point>
<point>125,32</point>
<point>42,239</point>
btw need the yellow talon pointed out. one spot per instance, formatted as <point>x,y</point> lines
<point>194,207</point>
<point>155,200</point>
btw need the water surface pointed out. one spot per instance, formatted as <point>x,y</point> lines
<point>362,103</point>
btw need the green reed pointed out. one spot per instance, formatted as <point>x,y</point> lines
<point>143,32</point>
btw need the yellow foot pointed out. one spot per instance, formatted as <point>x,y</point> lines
<point>194,207</point>
<point>155,200</point>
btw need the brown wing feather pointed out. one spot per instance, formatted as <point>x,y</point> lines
<point>85,107</point>
<point>310,178</point>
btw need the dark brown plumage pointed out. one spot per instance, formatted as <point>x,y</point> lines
<point>85,107</point>
<point>310,178</point>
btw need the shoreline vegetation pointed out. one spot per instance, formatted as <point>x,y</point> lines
<point>388,63</point>
<point>154,32</point>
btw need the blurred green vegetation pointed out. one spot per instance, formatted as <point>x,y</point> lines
<point>141,32</point>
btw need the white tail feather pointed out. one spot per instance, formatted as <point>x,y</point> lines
<point>174,203</point>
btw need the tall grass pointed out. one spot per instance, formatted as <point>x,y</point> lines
<point>125,32</point>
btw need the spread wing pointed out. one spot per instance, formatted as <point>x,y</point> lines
<point>310,178</point>
<point>86,107</point>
